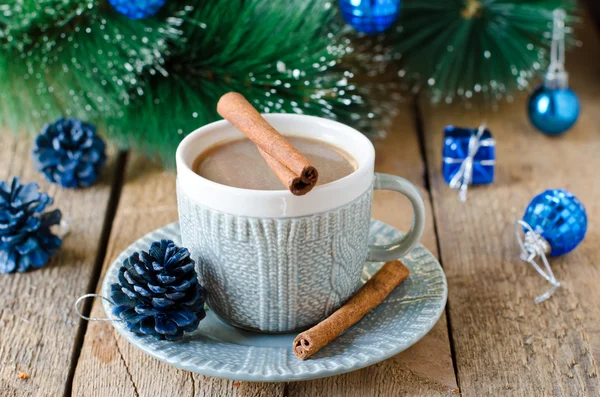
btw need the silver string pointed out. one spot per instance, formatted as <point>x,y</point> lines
<point>532,246</point>
<point>463,178</point>
<point>86,296</point>
<point>557,50</point>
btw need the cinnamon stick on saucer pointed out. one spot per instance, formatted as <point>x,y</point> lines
<point>291,167</point>
<point>368,297</point>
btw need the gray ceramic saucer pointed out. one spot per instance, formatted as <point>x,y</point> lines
<point>218,349</point>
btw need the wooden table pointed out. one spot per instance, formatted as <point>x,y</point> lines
<point>493,340</point>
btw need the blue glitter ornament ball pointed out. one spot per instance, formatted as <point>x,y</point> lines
<point>559,217</point>
<point>370,16</point>
<point>137,9</point>
<point>553,110</point>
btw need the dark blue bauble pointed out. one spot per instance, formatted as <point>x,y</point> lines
<point>26,241</point>
<point>559,217</point>
<point>158,292</point>
<point>553,111</point>
<point>69,152</point>
<point>370,16</point>
<point>137,9</point>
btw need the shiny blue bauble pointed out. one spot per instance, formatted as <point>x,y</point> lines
<point>559,217</point>
<point>137,9</point>
<point>553,111</point>
<point>370,16</point>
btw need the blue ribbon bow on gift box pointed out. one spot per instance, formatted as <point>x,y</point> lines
<point>469,157</point>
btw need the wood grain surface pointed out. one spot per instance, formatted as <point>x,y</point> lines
<point>504,343</point>
<point>38,328</point>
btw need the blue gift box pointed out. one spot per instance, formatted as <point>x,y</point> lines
<point>456,149</point>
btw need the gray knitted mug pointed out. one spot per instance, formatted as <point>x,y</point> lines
<point>275,262</point>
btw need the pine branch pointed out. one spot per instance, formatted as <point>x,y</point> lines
<point>149,82</point>
<point>72,58</point>
<point>465,48</point>
<point>283,56</point>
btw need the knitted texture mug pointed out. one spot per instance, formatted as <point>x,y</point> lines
<point>274,262</point>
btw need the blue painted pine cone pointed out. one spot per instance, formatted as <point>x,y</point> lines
<point>26,241</point>
<point>158,292</point>
<point>69,152</point>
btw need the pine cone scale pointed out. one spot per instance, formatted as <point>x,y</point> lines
<point>51,218</point>
<point>156,289</point>
<point>27,246</point>
<point>38,258</point>
<point>142,291</point>
<point>165,326</point>
<point>183,317</point>
<point>118,297</point>
<point>175,295</point>
<point>182,287</point>
<point>162,302</point>
<point>166,279</point>
<point>7,262</point>
<point>32,224</point>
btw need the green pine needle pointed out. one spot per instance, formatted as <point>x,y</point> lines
<point>72,58</point>
<point>464,48</point>
<point>149,82</point>
<point>283,56</point>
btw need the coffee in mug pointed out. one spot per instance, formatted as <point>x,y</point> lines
<point>238,163</point>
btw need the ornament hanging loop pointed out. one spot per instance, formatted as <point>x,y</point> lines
<point>472,9</point>
<point>464,176</point>
<point>83,316</point>
<point>532,246</point>
<point>556,76</point>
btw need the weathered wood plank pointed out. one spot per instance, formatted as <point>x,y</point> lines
<point>38,327</point>
<point>109,365</point>
<point>505,344</point>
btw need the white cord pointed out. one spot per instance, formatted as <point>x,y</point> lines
<point>464,176</point>
<point>532,246</point>
<point>86,296</point>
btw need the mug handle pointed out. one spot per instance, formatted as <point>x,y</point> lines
<point>387,252</point>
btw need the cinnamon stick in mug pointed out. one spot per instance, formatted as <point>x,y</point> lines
<point>291,167</point>
<point>368,297</point>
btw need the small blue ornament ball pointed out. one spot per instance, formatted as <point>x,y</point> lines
<point>553,111</point>
<point>370,16</point>
<point>559,217</point>
<point>137,9</point>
